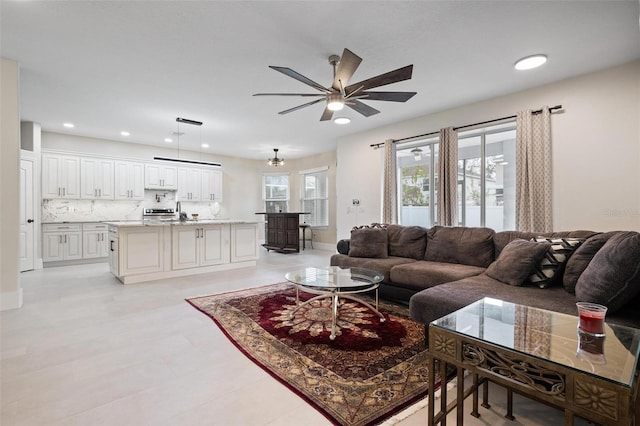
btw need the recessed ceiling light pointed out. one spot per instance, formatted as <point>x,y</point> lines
<point>530,62</point>
<point>68,125</point>
<point>168,140</point>
<point>342,120</point>
<point>124,133</point>
<point>205,145</point>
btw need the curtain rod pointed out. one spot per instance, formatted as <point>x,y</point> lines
<point>551,109</point>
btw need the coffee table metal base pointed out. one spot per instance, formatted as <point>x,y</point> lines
<point>335,294</point>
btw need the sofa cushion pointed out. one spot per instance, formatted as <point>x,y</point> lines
<point>369,241</point>
<point>502,238</point>
<point>466,246</point>
<point>407,241</point>
<point>613,275</point>
<point>423,274</point>
<point>548,271</point>
<point>580,259</point>
<point>517,260</point>
<point>382,266</point>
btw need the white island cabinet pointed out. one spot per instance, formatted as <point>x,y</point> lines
<point>142,251</point>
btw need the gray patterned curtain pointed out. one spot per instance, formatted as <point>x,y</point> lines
<point>389,191</point>
<point>448,177</point>
<point>533,171</point>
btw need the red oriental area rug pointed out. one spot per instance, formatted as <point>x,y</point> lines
<point>371,370</point>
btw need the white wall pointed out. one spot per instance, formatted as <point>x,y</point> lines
<point>11,293</point>
<point>596,150</point>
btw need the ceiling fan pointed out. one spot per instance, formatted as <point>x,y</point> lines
<point>342,93</point>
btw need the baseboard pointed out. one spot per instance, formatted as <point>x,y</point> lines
<point>11,300</point>
<point>319,246</point>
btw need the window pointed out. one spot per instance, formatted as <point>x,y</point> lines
<point>486,177</point>
<point>314,196</point>
<point>417,168</point>
<point>275,192</point>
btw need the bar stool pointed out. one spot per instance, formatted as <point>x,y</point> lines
<point>304,227</point>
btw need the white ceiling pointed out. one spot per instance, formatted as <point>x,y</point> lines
<point>108,66</point>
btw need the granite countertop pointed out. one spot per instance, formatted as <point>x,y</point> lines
<point>177,222</point>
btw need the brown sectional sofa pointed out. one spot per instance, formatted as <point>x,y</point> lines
<point>441,269</point>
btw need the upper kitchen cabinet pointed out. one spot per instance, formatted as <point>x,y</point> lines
<point>97,179</point>
<point>60,176</point>
<point>129,180</point>
<point>160,176</point>
<point>189,184</point>
<point>211,185</point>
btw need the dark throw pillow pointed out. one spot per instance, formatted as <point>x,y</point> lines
<point>550,268</point>
<point>516,261</point>
<point>613,277</point>
<point>369,241</point>
<point>581,257</point>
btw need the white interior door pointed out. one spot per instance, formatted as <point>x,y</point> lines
<point>27,213</point>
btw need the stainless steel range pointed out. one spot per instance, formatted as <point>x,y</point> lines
<point>159,214</point>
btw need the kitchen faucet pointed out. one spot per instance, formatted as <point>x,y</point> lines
<point>178,207</point>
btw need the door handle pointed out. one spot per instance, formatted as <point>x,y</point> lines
<point>65,238</point>
<point>99,192</point>
<point>59,191</point>
<point>111,245</point>
<point>64,191</point>
<point>29,220</point>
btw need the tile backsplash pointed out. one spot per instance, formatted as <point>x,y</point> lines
<point>61,210</point>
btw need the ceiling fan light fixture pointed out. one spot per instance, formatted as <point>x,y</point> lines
<point>342,120</point>
<point>417,153</point>
<point>335,102</point>
<point>530,62</point>
<point>275,161</point>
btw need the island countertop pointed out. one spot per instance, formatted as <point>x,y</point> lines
<point>131,223</point>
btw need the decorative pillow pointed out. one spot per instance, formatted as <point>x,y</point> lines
<point>516,261</point>
<point>580,259</point>
<point>550,268</point>
<point>369,241</point>
<point>613,276</point>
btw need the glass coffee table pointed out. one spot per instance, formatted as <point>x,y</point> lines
<point>336,283</point>
<point>539,354</point>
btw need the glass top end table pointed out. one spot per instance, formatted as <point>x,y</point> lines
<point>540,354</point>
<point>337,283</point>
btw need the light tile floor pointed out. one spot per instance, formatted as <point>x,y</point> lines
<point>87,350</point>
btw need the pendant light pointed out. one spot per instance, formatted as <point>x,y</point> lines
<point>417,153</point>
<point>275,161</point>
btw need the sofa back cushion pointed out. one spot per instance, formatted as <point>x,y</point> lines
<point>467,246</point>
<point>613,275</point>
<point>502,238</point>
<point>581,258</point>
<point>517,260</point>
<point>369,241</point>
<point>407,241</point>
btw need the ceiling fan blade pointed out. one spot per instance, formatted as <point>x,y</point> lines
<point>289,94</point>
<point>394,76</point>
<point>389,96</point>
<point>326,115</point>
<point>301,78</point>
<point>348,64</point>
<point>363,109</point>
<point>287,111</point>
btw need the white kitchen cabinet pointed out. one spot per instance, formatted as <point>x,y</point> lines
<point>129,180</point>
<point>195,246</point>
<point>61,242</point>
<point>60,176</point>
<point>160,176</point>
<point>244,242</point>
<point>211,185</point>
<point>96,179</point>
<point>189,184</point>
<point>94,240</point>
<point>140,250</point>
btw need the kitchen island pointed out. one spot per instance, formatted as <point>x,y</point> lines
<point>149,250</point>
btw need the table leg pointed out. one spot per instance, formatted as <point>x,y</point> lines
<point>432,384</point>
<point>509,414</point>
<point>334,316</point>
<point>485,394</point>
<point>568,418</point>
<point>460,396</point>
<point>443,393</point>
<point>475,412</point>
